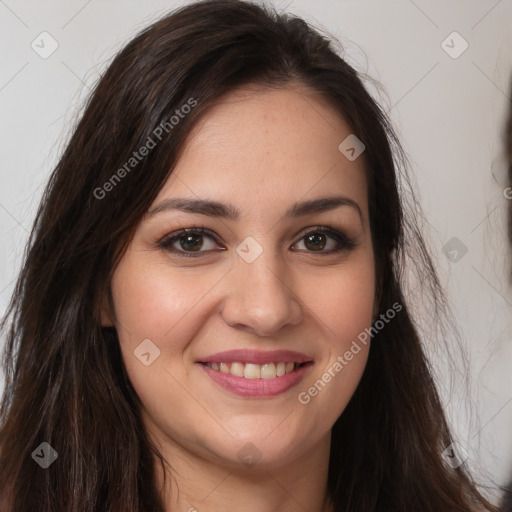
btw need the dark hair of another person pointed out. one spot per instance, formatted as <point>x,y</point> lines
<point>508,153</point>
<point>506,504</point>
<point>65,379</point>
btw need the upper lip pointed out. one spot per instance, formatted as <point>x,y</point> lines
<point>256,357</point>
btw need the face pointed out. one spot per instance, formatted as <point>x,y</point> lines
<point>240,335</point>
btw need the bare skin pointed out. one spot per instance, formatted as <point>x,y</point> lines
<point>261,151</point>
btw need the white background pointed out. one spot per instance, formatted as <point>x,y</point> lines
<point>449,113</point>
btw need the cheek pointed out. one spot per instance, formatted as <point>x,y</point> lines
<point>345,310</point>
<point>348,305</point>
<point>151,301</point>
<point>344,302</point>
<point>150,304</point>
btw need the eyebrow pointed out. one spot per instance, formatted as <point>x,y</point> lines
<point>230,212</point>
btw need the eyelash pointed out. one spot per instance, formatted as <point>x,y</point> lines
<point>344,242</point>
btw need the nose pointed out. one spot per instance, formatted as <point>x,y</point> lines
<point>260,298</point>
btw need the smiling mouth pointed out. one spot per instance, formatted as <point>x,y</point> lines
<point>265,371</point>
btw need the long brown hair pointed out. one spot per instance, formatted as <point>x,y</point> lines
<point>65,379</point>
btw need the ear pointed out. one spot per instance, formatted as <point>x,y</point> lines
<point>375,309</point>
<point>106,320</point>
<point>106,310</point>
<point>377,298</point>
<point>379,285</point>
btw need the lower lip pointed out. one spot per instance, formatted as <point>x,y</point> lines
<point>260,388</point>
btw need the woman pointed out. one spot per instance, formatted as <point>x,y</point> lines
<point>210,315</point>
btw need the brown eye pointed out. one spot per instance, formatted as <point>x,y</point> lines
<point>316,241</point>
<point>326,238</point>
<point>189,242</point>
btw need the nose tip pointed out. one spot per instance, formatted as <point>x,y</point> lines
<point>260,300</point>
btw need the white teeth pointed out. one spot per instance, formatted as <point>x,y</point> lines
<point>255,371</point>
<point>268,371</point>
<point>252,371</point>
<point>237,369</point>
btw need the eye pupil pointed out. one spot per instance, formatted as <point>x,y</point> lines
<point>317,241</point>
<point>189,242</point>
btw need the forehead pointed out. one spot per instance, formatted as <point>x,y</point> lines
<point>268,146</point>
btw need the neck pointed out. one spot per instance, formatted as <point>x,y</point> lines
<point>198,483</point>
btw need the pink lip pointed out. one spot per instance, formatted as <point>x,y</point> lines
<point>260,388</point>
<point>256,357</point>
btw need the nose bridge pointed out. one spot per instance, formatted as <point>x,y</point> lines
<point>260,299</point>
